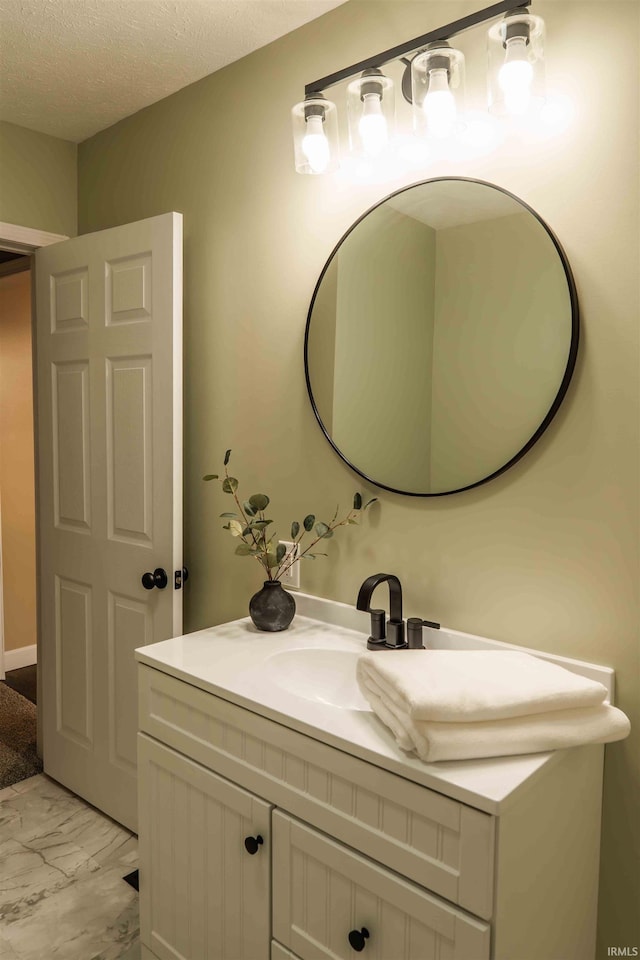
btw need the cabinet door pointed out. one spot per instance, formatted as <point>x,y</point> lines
<point>278,952</point>
<point>203,896</point>
<point>322,892</point>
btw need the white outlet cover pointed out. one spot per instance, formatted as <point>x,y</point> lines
<point>292,577</point>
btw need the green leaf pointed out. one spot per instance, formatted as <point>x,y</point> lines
<point>295,529</point>
<point>236,528</point>
<point>248,509</point>
<point>259,501</point>
<point>272,561</point>
<point>352,520</point>
<point>322,529</point>
<point>226,457</point>
<point>280,552</point>
<point>260,524</point>
<point>369,502</point>
<point>211,476</point>
<point>308,522</point>
<point>308,556</point>
<point>357,502</point>
<point>243,549</point>
<point>228,515</point>
<point>229,484</point>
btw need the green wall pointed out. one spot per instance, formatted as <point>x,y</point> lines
<point>547,554</point>
<point>502,329</point>
<point>389,303</point>
<point>38,180</point>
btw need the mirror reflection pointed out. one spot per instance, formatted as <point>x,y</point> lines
<point>441,337</point>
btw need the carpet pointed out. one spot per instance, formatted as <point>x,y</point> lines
<point>18,757</point>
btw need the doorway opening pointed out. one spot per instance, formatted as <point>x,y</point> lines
<point>18,625</point>
<point>20,738</point>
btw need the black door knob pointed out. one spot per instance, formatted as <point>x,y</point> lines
<point>358,938</point>
<point>252,844</point>
<point>157,579</point>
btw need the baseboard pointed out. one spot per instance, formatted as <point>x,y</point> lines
<point>21,657</point>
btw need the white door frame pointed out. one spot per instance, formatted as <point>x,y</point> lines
<point>17,239</point>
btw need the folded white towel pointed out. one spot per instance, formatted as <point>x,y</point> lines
<point>459,686</point>
<point>535,733</point>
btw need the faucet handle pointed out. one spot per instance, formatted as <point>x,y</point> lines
<point>378,633</point>
<point>414,631</point>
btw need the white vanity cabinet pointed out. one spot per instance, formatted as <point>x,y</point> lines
<point>348,844</point>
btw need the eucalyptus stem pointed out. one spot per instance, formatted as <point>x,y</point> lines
<point>284,566</point>
<point>250,527</point>
<point>261,560</point>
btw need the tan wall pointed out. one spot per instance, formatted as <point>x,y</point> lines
<point>17,499</point>
<point>38,180</point>
<point>547,554</point>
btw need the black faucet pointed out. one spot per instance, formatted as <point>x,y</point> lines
<point>378,639</point>
<point>395,626</point>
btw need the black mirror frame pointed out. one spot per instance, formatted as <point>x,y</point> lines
<point>571,359</point>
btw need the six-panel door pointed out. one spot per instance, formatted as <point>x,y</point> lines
<point>109,353</point>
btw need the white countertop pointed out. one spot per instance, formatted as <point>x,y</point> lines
<point>229,661</point>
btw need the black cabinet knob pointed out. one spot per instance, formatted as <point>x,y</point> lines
<point>252,844</point>
<point>157,579</point>
<point>358,938</point>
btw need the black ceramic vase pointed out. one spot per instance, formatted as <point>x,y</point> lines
<point>272,608</point>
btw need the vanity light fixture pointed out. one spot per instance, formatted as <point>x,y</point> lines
<point>433,82</point>
<point>437,90</point>
<point>371,112</point>
<point>315,135</point>
<point>516,63</point>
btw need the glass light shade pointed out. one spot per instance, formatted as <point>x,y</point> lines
<point>371,113</point>
<point>315,135</point>
<point>516,65</point>
<point>437,90</point>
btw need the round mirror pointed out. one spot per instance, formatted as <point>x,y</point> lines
<point>441,337</point>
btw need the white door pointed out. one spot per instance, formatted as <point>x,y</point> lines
<point>109,466</point>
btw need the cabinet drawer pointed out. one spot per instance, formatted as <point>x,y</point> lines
<point>440,843</point>
<point>322,891</point>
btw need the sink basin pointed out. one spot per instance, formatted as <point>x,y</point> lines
<point>318,674</point>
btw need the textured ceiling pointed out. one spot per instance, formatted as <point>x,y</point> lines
<point>70,68</point>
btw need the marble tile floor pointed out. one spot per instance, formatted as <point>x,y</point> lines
<point>62,896</point>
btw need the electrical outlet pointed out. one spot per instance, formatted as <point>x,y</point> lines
<point>292,576</point>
